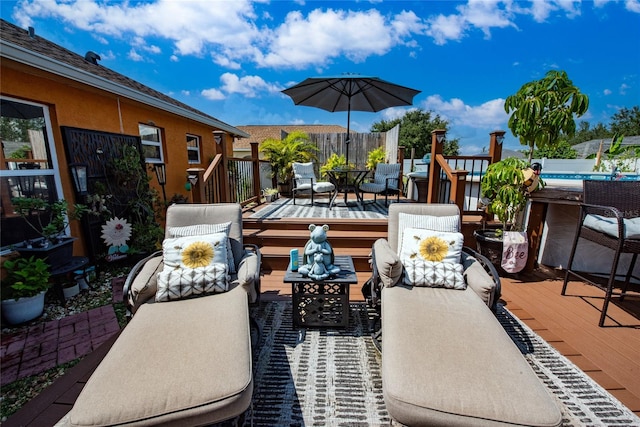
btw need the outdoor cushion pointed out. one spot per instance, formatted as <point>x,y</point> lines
<point>447,361</point>
<point>388,263</point>
<point>477,279</point>
<point>609,226</point>
<point>201,229</point>
<point>183,363</point>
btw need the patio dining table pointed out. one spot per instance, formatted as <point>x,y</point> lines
<point>347,181</point>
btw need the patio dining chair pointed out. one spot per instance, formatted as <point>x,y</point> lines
<point>306,181</point>
<point>386,181</point>
<point>610,217</point>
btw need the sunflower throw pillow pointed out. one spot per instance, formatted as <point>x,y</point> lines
<point>432,258</point>
<point>202,229</point>
<point>193,265</point>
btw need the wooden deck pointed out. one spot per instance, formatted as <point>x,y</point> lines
<point>610,355</point>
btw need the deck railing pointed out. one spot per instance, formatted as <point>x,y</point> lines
<point>456,179</point>
<point>452,179</point>
<point>231,179</point>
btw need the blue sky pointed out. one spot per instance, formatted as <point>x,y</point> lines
<point>231,59</point>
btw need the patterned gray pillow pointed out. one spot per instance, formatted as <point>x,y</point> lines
<point>193,265</point>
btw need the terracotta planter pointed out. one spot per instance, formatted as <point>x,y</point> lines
<point>23,309</point>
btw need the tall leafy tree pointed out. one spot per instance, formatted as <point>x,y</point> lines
<point>626,122</point>
<point>415,131</point>
<point>561,150</point>
<point>586,133</point>
<point>544,109</point>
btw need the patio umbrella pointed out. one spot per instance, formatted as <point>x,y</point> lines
<point>350,92</point>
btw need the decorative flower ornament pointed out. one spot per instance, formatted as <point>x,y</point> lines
<point>116,232</point>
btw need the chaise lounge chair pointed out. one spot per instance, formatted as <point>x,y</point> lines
<point>446,360</point>
<point>181,360</point>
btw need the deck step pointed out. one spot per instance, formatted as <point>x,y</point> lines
<point>298,238</point>
<point>355,237</point>
<point>277,257</point>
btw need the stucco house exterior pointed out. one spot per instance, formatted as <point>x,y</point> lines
<point>71,96</point>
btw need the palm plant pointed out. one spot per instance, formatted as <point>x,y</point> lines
<point>282,153</point>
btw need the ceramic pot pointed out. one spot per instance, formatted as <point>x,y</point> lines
<point>70,290</point>
<point>23,309</point>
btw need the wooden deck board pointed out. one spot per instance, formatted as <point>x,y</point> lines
<point>609,355</point>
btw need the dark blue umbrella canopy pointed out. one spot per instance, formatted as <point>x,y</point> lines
<point>350,92</point>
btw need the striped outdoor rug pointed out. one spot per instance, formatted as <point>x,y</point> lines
<point>284,208</point>
<point>332,377</point>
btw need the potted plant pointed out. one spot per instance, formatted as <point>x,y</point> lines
<point>23,289</point>
<point>50,221</point>
<point>336,162</point>
<point>505,187</point>
<point>282,153</point>
<point>375,156</point>
<point>270,194</point>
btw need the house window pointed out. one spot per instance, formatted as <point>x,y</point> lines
<point>151,137</point>
<point>193,148</point>
<point>29,166</point>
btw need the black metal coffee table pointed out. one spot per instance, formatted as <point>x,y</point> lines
<point>322,302</point>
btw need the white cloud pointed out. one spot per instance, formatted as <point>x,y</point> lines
<point>187,24</point>
<point>607,92</point>
<point>321,35</point>
<point>623,88</point>
<point>488,115</point>
<point>632,5</point>
<point>213,94</point>
<point>107,56</point>
<point>249,86</point>
<point>135,56</point>
<point>444,28</point>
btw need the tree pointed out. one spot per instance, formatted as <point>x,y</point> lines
<point>561,150</point>
<point>586,133</point>
<point>415,131</point>
<point>626,122</point>
<point>544,109</point>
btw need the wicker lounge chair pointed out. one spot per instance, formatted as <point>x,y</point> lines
<point>186,361</point>
<point>610,217</point>
<point>446,360</point>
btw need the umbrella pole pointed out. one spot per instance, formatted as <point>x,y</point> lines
<point>348,140</point>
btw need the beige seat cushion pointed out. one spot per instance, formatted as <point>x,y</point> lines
<point>447,361</point>
<point>185,362</point>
